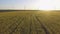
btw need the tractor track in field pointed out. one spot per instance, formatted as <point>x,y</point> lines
<point>16,26</point>
<point>32,26</point>
<point>43,26</point>
<point>13,27</point>
<point>37,26</point>
<point>22,28</point>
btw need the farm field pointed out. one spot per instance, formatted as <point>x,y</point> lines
<point>30,22</point>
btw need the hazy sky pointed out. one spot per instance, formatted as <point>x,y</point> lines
<point>30,4</point>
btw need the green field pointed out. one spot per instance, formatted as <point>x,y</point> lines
<point>30,22</point>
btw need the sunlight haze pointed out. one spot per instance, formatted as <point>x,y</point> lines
<point>30,4</point>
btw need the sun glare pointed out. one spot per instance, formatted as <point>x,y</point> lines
<point>46,5</point>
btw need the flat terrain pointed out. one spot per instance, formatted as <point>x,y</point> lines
<point>30,22</point>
